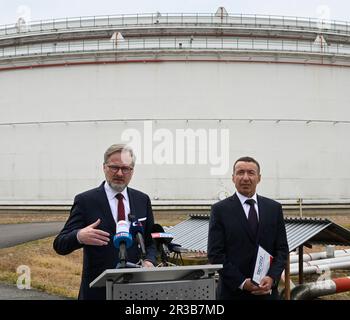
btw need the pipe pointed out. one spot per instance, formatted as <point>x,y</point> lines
<point>321,261</point>
<point>313,290</point>
<point>318,255</point>
<point>295,267</point>
<point>323,267</point>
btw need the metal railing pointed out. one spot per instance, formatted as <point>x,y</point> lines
<point>124,20</point>
<point>194,44</point>
<point>270,121</point>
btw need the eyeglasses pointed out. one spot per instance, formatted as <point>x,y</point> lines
<point>115,169</point>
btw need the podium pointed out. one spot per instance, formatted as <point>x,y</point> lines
<point>165,283</point>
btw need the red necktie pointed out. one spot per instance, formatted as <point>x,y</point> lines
<point>121,209</point>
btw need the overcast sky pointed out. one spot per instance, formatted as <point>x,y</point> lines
<point>10,10</point>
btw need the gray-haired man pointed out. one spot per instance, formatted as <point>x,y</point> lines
<point>94,215</point>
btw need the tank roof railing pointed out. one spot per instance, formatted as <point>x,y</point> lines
<point>178,44</point>
<point>233,20</point>
<point>270,121</point>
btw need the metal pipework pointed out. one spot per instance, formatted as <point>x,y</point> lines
<point>313,290</point>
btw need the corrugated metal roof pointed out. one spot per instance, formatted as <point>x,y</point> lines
<point>301,230</point>
<point>192,234</point>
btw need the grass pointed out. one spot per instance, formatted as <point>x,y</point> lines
<point>168,219</point>
<point>15,218</point>
<point>54,274</point>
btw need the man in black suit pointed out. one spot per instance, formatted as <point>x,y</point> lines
<point>93,217</point>
<point>238,226</point>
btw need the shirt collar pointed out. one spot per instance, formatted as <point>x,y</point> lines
<point>243,198</point>
<point>111,193</point>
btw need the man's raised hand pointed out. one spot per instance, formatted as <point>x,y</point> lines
<point>92,236</point>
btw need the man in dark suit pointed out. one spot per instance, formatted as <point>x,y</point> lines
<point>93,218</point>
<point>238,226</point>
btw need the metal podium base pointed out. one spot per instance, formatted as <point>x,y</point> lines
<point>201,289</point>
<point>165,283</point>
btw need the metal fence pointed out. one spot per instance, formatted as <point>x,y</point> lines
<point>189,43</point>
<point>243,20</point>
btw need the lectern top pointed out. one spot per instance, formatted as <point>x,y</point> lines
<point>136,275</point>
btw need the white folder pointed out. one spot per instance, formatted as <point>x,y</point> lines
<point>262,265</point>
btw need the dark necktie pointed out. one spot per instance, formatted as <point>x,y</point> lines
<point>121,209</point>
<point>252,216</point>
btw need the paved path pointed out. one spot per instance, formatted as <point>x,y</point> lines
<point>13,234</point>
<point>10,292</point>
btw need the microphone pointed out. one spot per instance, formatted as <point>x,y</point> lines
<point>137,231</point>
<point>177,248</point>
<point>122,241</point>
<point>160,236</point>
<point>162,240</point>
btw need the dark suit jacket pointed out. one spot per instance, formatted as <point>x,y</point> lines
<point>87,208</point>
<point>231,243</point>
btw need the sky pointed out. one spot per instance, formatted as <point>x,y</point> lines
<point>32,10</point>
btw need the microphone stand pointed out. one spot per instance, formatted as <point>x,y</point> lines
<point>141,245</point>
<point>164,256</point>
<point>140,241</point>
<point>122,256</point>
<point>123,263</point>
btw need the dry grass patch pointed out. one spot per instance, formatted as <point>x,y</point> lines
<point>11,218</point>
<point>169,219</point>
<point>164,219</point>
<point>59,275</point>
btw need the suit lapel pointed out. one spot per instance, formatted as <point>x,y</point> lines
<point>263,215</point>
<point>237,207</point>
<point>131,201</point>
<point>105,208</point>
<point>135,209</point>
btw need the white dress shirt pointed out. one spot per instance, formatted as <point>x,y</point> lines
<point>246,206</point>
<point>113,201</point>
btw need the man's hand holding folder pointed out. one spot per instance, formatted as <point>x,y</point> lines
<point>264,286</point>
<point>260,279</point>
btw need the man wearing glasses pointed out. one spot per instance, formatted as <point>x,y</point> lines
<point>94,215</point>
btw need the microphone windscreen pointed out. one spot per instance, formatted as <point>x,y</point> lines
<point>174,247</point>
<point>157,228</point>
<point>122,235</point>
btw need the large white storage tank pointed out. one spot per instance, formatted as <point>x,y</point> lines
<point>192,92</point>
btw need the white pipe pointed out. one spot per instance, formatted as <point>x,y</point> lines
<point>323,267</point>
<point>318,255</point>
<point>320,262</point>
